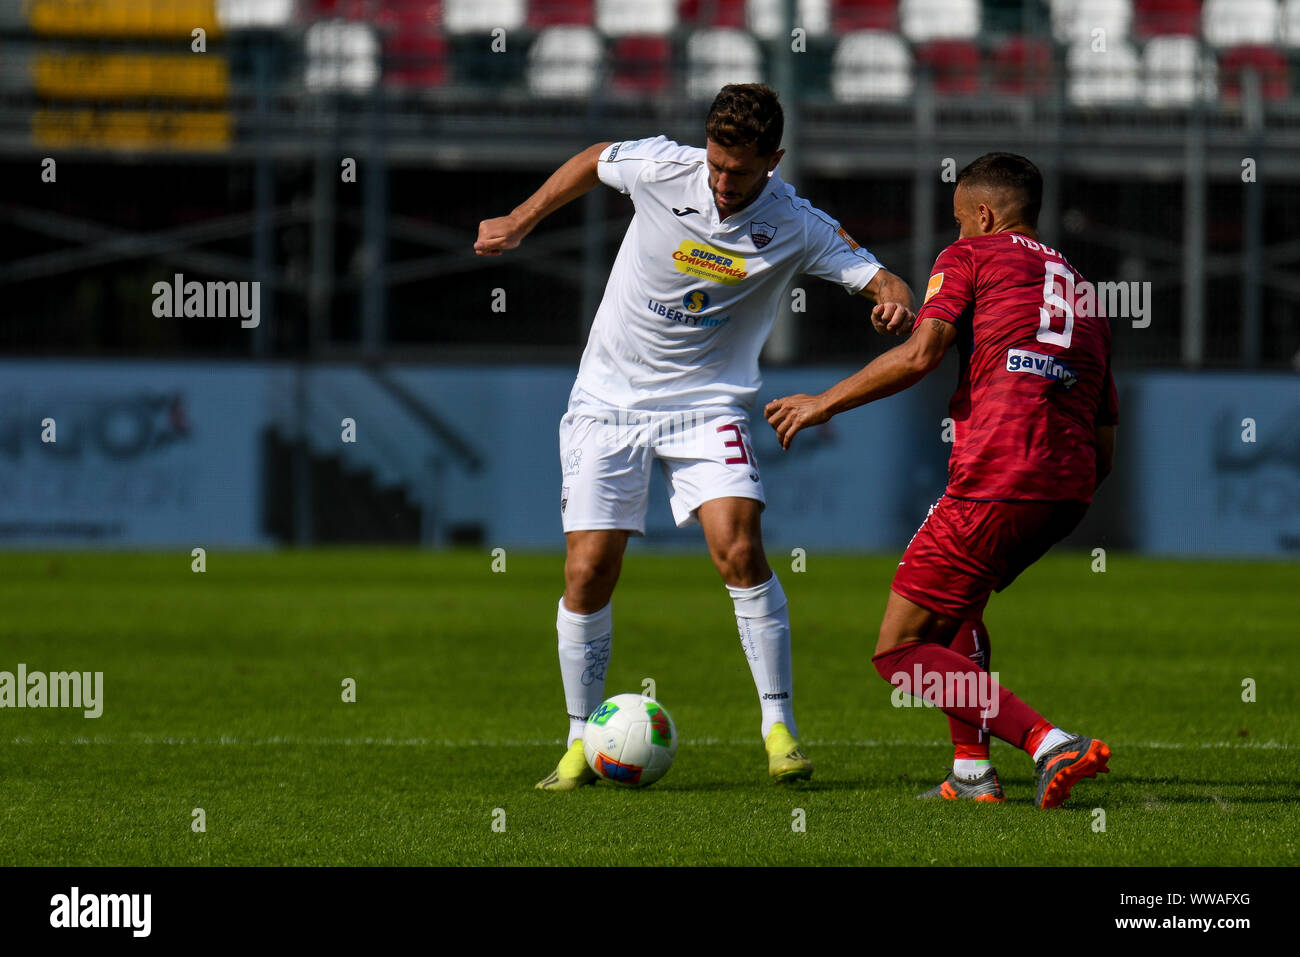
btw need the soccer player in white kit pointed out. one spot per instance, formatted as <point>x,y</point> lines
<point>670,374</point>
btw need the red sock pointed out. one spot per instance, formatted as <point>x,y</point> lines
<point>972,641</point>
<point>1036,735</point>
<point>1014,721</point>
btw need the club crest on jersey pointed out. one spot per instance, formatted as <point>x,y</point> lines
<point>936,283</point>
<point>761,233</point>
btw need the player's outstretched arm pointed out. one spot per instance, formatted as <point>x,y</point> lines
<point>894,371</point>
<point>893,298</point>
<point>566,184</point>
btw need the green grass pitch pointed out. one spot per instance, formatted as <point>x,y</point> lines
<point>223,691</point>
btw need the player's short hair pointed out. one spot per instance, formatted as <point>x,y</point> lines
<point>1012,173</point>
<point>746,114</point>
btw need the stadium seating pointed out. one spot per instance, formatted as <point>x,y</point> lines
<point>713,13</point>
<point>1076,20</point>
<point>641,66</point>
<point>560,13</point>
<point>341,56</point>
<point>850,15</point>
<point>1022,65</point>
<point>952,65</point>
<point>483,16</point>
<point>565,61</point>
<point>616,18</point>
<point>764,17</point>
<point>1268,63</point>
<point>871,66</point>
<point>1240,22</point>
<point>1148,51</point>
<point>716,57</point>
<point>1174,70</point>
<point>1103,77</point>
<point>1291,23</point>
<point>1167,18</point>
<point>924,20</point>
<point>240,14</point>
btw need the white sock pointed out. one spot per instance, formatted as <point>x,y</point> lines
<point>970,769</point>
<point>1053,738</point>
<point>764,625</point>
<point>585,642</point>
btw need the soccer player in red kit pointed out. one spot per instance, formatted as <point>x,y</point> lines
<point>1035,413</point>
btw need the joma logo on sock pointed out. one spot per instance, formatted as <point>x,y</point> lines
<point>102,910</point>
<point>213,300</point>
<point>58,689</point>
<point>938,689</point>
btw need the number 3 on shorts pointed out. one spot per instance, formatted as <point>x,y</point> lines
<point>744,456</point>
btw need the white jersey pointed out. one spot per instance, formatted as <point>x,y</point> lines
<point>692,298</point>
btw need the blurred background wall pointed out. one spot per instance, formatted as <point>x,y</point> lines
<point>340,153</point>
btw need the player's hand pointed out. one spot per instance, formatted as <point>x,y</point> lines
<point>892,317</point>
<point>792,413</point>
<point>495,236</point>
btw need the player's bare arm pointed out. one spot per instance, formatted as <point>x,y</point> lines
<point>573,179</point>
<point>893,298</point>
<point>896,370</point>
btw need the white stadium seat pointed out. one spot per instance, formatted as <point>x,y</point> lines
<point>871,66</point>
<point>483,16</point>
<point>1229,23</point>
<point>715,58</point>
<point>764,17</point>
<point>1076,20</point>
<point>617,18</point>
<point>242,14</point>
<point>341,56</point>
<point>1291,23</point>
<point>1174,69</point>
<point>1106,77</point>
<point>925,20</point>
<point>565,61</point>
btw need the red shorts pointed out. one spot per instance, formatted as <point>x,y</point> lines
<point>965,550</point>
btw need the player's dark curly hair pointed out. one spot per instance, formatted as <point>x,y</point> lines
<point>1007,171</point>
<point>746,114</point>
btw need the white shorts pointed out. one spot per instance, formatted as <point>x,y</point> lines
<point>606,456</point>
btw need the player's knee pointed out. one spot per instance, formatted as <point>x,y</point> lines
<point>742,562</point>
<point>590,573</point>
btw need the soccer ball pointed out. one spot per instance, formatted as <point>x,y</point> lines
<point>630,740</point>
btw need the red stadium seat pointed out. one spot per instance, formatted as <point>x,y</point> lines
<point>1167,18</point>
<point>1269,63</point>
<point>552,13</point>
<point>642,65</point>
<point>415,60</point>
<point>849,15</point>
<point>1022,65</point>
<point>713,13</point>
<point>954,66</point>
<point>422,16</point>
<point>415,52</point>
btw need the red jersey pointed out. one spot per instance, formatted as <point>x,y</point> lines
<point>1035,375</point>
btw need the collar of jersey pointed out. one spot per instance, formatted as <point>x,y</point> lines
<point>773,188</point>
